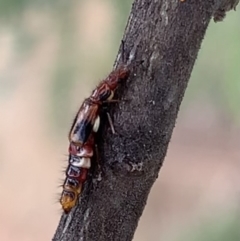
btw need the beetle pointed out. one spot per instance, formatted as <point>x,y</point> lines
<point>81,137</point>
<point>82,133</point>
<point>87,118</point>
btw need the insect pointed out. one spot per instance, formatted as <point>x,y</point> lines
<point>76,173</point>
<point>81,137</point>
<point>87,118</point>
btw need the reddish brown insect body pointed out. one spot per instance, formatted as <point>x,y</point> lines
<point>82,137</point>
<point>76,173</point>
<point>105,90</point>
<point>87,118</point>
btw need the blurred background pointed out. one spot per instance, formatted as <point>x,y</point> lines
<point>52,54</point>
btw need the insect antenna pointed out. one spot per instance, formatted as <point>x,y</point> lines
<point>111,123</point>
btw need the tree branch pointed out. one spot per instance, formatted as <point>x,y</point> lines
<point>168,34</point>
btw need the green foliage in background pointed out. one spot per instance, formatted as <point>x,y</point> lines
<point>123,9</point>
<point>222,227</point>
<point>216,74</point>
<point>65,71</point>
<point>14,8</point>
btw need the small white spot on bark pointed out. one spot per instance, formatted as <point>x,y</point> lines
<point>164,13</point>
<point>86,222</point>
<point>136,166</point>
<point>153,57</point>
<point>171,97</point>
<point>68,221</point>
<point>133,51</point>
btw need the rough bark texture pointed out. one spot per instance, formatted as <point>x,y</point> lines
<point>168,35</point>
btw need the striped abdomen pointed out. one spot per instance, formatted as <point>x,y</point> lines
<point>76,173</point>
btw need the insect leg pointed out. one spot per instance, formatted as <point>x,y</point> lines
<point>111,123</point>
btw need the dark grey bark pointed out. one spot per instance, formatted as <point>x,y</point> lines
<point>167,35</point>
